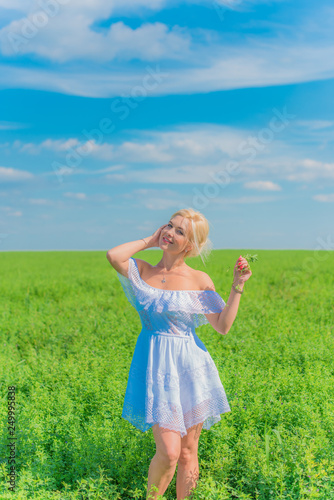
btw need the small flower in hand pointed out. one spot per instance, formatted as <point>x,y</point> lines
<point>242,271</point>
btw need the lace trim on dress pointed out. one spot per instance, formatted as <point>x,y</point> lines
<point>171,416</point>
<point>173,401</point>
<point>128,289</point>
<point>143,296</point>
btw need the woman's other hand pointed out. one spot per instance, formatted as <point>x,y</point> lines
<point>241,271</point>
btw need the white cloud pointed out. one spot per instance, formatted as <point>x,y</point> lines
<point>11,212</point>
<point>29,148</point>
<point>190,174</point>
<point>15,214</point>
<point>98,197</point>
<point>326,198</point>
<point>135,152</point>
<point>311,164</point>
<point>14,4</point>
<point>117,177</point>
<point>291,169</point>
<point>210,62</point>
<point>57,41</point>
<point>183,144</point>
<point>315,124</point>
<point>55,145</point>
<point>226,3</point>
<point>11,174</point>
<point>79,171</point>
<point>244,199</point>
<point>59,145</point>
<point>12,125</point>
<point>76,196</point>
<point>39,201</point>
<point>99,8</point>
<point>262,186</point>
<point>10,192</point>
<point>104,151</point>
<point>251,66</point>
<point>309,170</point>
<point>113,168</point>
<point>195,153</point>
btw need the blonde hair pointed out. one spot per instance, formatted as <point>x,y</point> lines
<point>198,231</point>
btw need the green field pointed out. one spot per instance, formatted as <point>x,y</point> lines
<point>67,338</point>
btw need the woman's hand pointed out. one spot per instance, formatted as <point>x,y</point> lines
<point>153,241</point>
<point>241,271</point>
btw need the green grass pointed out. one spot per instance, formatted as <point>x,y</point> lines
<point>67,338</point>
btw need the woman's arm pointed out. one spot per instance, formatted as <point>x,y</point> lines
<point>122,253</point>
<point>241,273</point>
<point>229,313</point>
<point>118,256</point>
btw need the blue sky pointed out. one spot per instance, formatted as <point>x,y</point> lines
<point>116,114</point>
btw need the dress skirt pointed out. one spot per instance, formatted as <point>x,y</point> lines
<point>173,382</point>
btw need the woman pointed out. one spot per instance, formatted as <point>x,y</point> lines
<point>173,384</point>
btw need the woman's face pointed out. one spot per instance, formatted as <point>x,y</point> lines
<point>176,233</point>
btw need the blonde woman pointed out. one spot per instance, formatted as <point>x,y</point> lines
<point>173,385</point>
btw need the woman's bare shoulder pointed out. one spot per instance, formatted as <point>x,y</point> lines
<point>205,282</point>
<point>201,279</point>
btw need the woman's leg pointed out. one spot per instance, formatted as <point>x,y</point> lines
<point>187,469</point>
<point>163,464</point>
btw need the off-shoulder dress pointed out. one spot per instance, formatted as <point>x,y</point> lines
<point>173,381</point>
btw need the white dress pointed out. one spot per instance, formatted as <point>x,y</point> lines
<point>173,380</point>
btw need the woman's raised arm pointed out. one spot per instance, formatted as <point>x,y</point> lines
<point>241,273</point>
<point>123,252</point>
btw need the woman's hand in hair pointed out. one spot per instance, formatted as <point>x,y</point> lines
<point>153,241</point>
